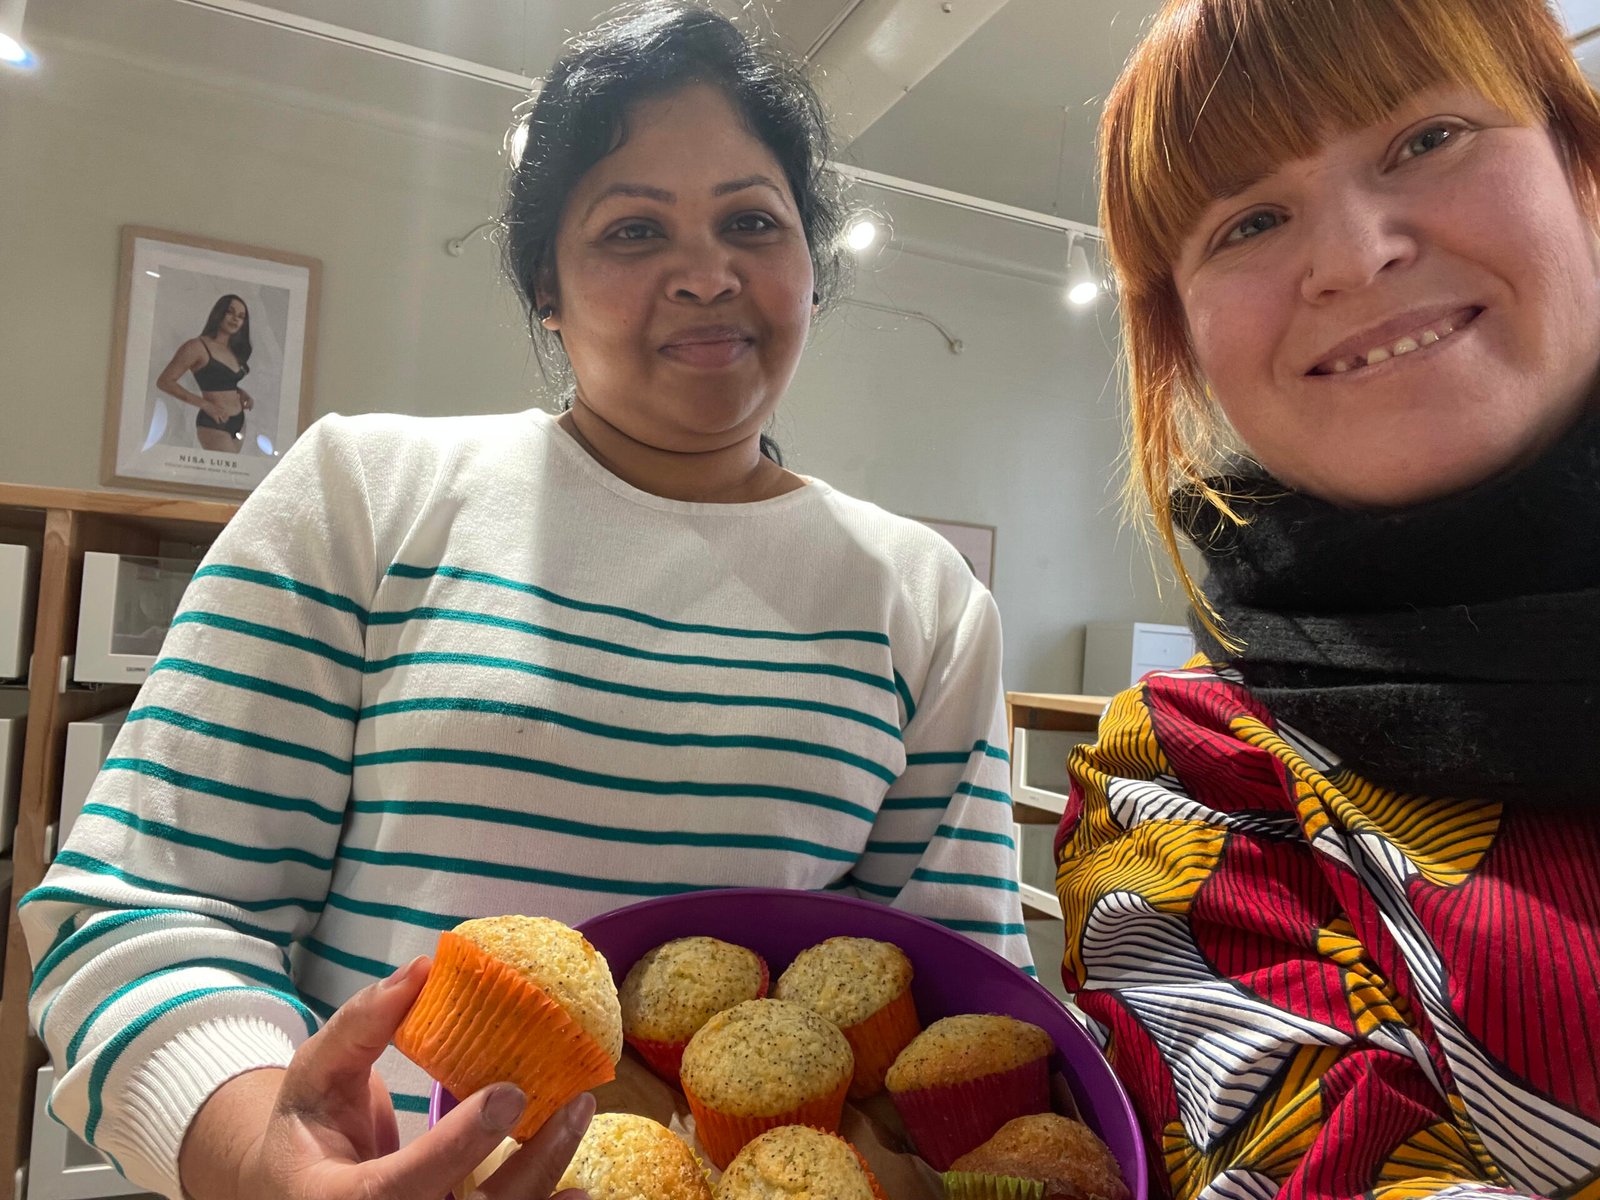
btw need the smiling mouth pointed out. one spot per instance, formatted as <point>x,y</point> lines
<point>1422,338</point>
<point>710,353</point>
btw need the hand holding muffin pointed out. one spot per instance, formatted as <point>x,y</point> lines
<point>524,999</point>
<point>324,1129</point>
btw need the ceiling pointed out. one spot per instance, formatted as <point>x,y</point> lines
<point>1011,114</point>
<point>1001,106</point>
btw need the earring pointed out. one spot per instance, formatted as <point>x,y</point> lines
<point>546,312</point>
<point>816,298</point>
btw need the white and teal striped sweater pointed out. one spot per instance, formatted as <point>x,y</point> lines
<point>438,669</point>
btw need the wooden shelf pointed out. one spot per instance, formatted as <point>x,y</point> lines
<point>63,524</point>
<point>1027,712</point>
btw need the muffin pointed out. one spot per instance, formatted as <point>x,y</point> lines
<point>762,1064</point>
<point>677,987</point>
<point>966,1076</point>
<point>863,987</point>
<point>796,1162</point>
<point>624,1157</point>
<point>1042,1157</point>
<point>523,999</point>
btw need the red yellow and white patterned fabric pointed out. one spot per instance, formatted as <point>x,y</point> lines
<point>1316,988</point>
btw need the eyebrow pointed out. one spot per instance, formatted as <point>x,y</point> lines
<point>646,192</point>
<point>1232,186</point>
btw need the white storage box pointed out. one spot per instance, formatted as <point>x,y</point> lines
<point>1117,654</point>
<point>88,744</point>
<point>60,1165</point>
<point>19,582</point>
<point>13,724</point>
<point>127,606</point>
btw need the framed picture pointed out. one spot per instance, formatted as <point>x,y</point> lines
<point>211,364</point>
<point>975,542</point>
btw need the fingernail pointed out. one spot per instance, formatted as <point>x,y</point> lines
<point>503,1106</point>
<point>579,1111</point>
<point>401,974</point>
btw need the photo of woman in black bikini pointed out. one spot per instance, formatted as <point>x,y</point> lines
<point>217,361</point>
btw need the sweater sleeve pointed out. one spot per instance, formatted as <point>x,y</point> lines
<point>943,844</point>
<point>1264,1051</point>
<point>160,934</point>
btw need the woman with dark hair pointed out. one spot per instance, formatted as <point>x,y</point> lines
<point>439,669</point>
<point>1332,893</point>
<point>217,360</point>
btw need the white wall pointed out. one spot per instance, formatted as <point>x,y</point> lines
<point>1020,431</point>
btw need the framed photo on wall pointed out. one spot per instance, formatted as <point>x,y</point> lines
<point>975,543</point>
<point>211,363</point>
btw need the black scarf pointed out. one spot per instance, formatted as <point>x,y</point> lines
<point>1447,649</point>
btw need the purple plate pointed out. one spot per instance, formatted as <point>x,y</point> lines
<point>953,975</point>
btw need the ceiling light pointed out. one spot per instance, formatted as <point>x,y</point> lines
<point>862,234</point>
<point>1082,286</point>
<point>12,50</point>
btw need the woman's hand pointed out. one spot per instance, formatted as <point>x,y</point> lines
<point>324,1129</point>
<point>214,410</point>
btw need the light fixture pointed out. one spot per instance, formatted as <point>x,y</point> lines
<point>12,50</point>
<point>862,234</point>
<point>1082,286</point>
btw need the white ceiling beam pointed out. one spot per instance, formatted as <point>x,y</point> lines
<point>277,18</point>
<point>357,39</point>
<point>977,204</point>
<point>880,49</point>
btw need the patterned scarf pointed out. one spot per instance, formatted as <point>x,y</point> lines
<point>1448,649</point>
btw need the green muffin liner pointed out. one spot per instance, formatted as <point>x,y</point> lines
<point>970,1185</point>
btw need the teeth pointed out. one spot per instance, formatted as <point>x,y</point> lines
<point>1384,353</point>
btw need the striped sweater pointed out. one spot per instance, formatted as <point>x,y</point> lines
<point>439,669</point>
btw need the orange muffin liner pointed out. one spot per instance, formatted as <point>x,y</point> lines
<point>877,1188</point>
<point>479,1021</point>
<point>666,1058</point>
<point>723,1135</point>
<point>877,1042</point>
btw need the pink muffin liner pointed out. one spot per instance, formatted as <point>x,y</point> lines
<point>947,1121</point>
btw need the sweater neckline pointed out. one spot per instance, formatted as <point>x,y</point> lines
<point>568,448</point>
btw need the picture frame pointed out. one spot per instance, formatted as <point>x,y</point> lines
<point>201,400</point>
<point>975,543</point>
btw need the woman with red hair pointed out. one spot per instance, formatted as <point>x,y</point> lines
<point>1332,893</point>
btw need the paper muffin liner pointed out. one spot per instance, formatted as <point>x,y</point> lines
<point>666,1058</point>
<point>479,1021</point>
<point>877,1042</point>
<point>948,1120</point>
<point>724,1135</point>
<point>970,1185</point>
<point>872,1180</point>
